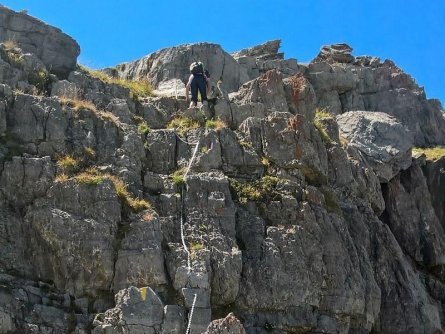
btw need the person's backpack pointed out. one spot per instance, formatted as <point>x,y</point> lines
<point>197,68</point>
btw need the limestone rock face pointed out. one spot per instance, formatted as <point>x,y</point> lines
<point>57,50</point>
<point>290,205</point>
<point>383,142</point>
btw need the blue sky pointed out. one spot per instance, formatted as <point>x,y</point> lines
<point>410,32</point>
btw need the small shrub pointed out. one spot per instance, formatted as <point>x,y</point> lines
<point>215,124</point>
<point>204,149</point>
<point>178,177</point>
<point>40,79</point>
<point>68,164</point>
<point>264,189</point>
<point>143,128</point>
<point>182,124</point>
<point>431,153</point>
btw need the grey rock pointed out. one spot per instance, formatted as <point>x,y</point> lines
<point>174,320</point>
<point>140,260</point>
<point>64,88</point>
<point>435,178</point>
<point>200,320</point>
<point>412,219</point>
<point>161,151</point>
<point>229,325</point>
<point>34,175</point>
<point>268,89</point>
<point>73,212</point>
<point>136,311</point>
<point>57,50</point>
<point>300,96</point>
<point>383,142</point>
<point>202,298</point>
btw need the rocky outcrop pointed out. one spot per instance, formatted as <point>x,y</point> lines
<point>173,63</point>
<point>342,84</point>
<point>57,50</point>
<point>384,144</point>
<point>285,219</point>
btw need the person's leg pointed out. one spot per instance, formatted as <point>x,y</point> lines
<point>194,91</point>
<point>202,88</point>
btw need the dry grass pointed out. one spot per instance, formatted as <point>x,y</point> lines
<point>431,153</point>
<point>68,164</point>
<point>78,104</point>
<point>10,44</point>
<point>138,88</point>
<point>92,176</point>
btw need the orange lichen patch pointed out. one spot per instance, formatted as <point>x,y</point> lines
<point>270,78</point>
<point>297,83</point>
<point>294,123</point>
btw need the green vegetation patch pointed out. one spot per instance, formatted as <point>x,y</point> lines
<point>320,115</point>
<point>183,124</point>
<point>431,153</point>
<point>178,177</point>
<point>215,124</point>
<point>143,128</point>
<point>262,190</point>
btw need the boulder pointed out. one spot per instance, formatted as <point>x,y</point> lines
<point>268,89</point>
<point>57,50</point>
<point>383,142</point>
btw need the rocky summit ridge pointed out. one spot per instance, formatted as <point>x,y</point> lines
<point>292,203</point>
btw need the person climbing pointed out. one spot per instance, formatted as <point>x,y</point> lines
<point>198,81</point>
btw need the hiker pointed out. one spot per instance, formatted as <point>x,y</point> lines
<point>198,81</point>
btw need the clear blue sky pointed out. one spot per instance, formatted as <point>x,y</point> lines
<point>410,32</point>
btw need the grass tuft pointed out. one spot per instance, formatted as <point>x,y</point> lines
<point>182,124</point>
<point>431,153</point>
<point>215,124</point>
<point>178,177</point>
<point>261,190</point>
<point>68,164</point>
<point>320,115</point>
<point>143,128</point>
